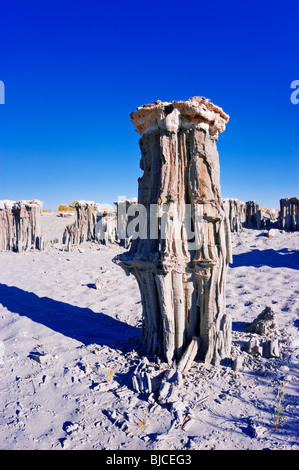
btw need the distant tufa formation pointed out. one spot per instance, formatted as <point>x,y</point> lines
<point>91,224</point>
<point>83,229</point>
<point>248,214</point>
<point>20,228</point>
<point>125,214</point>
<point>264,339</point>
<point>236,213</point>
<point>182,288</point>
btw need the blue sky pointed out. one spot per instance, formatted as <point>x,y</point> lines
<point>73,71</point>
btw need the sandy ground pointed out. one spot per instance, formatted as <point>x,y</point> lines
<point>70,350</point>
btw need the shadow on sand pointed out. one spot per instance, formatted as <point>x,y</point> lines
<point>82,324</point>
<point>274,258</point>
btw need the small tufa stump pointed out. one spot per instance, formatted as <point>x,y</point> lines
<point>252,210</point>
<point>236,213</point>
<point>20,225</point>
<point>261,347</point>
<point>125,207</point>
<point>271,348</point>
<point>99,284</point>
<point>289,213</point>
<point>189,355</point>
<point>264,324</point>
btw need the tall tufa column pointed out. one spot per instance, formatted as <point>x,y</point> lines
<point>252,211</point>
<point>91,224</point>
<point>180,265</point>
<point>289,213</point>
<point>236,213</point>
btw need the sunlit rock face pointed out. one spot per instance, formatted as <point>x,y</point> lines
<point>181,277</point>
<point>20,225</point>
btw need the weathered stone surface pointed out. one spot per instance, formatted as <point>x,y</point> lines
<point>259,217</point>
<point>170,385</point>
<point>236,213</point>
<point>107,232</point>
<point>189,355</point>
<point>20,228</point>
<point>99,284</point>
<point>255,346</point>
<point>267,217</point>
<point>289,214</point>
<point>264,341</point>
<point>91,224</point>
<point>263,347</point>
<point>83,229</point>
<point>237,363</point>
<point>252,210</point>
<point>265,323</point>
<point>125,214</point>
<point>182,286</point>
<point>271,348</point>
<point>141,379</point>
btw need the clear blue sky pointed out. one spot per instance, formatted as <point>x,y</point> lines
<point>74,70</point>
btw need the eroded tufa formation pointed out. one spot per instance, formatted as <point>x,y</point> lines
<point>289,213</point>
<point>182,284</point>
<point>236,213</point>
<point>249,214</point>
<point>83,229</point>
<point>91,224</point>
<point>20,228</point>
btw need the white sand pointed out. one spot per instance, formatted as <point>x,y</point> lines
<point>48,305</point>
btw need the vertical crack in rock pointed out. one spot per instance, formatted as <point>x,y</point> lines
<point>181,273</point>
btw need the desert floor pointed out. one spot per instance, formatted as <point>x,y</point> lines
<point>69,351</point>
